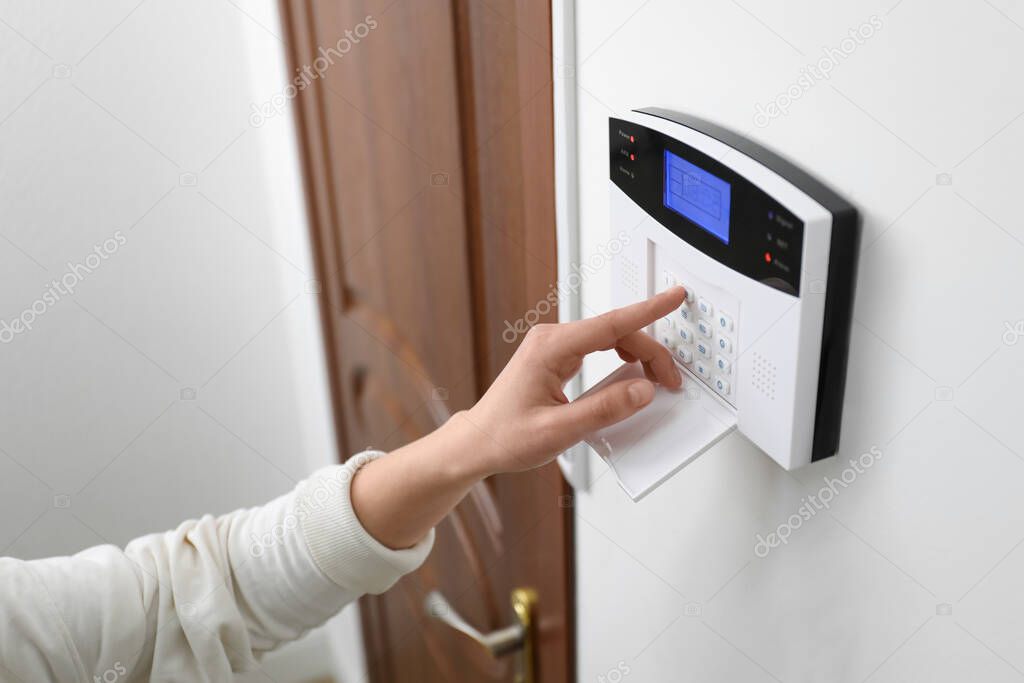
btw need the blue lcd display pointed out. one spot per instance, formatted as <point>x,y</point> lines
<point>698,195</point>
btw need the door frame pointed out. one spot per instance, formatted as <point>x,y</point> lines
<point>574,462</point>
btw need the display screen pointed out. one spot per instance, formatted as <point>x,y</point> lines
<point>696,194</point>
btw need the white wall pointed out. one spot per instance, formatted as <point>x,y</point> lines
<point>105,106</point>
<point>915,572</point>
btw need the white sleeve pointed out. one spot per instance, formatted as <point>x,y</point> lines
<point>199,602</point>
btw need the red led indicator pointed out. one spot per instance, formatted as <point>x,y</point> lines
<point>632,157</point>
<point>767,257</point>
<point>632,138</point>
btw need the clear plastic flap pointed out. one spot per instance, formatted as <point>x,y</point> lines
<point>670,433</point>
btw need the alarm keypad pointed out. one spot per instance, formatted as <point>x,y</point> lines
<point>700,335</point>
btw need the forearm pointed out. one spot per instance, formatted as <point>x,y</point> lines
<point>201,601</point>
<point>400,497</point>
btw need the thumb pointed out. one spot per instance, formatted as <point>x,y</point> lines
<point>614,403</point>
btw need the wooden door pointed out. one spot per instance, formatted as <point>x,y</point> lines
<point>426,138</point>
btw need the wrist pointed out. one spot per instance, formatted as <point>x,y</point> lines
<point>467,448</point>
<point>399,497</point>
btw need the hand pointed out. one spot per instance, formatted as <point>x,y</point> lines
<point>524,420</point>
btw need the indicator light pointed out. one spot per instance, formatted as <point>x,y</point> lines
<point>632,157</point>
<point>767,257</point>
<point>632,139</point>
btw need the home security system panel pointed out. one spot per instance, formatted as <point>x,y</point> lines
<point>767,255</point>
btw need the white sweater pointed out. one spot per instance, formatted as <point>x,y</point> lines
<point>199,602</point>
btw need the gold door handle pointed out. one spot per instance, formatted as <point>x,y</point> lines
<point>517,638</point>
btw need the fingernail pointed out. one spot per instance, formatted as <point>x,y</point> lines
<point>640,393</point>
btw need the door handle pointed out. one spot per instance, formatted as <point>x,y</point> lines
<point>516,638</point>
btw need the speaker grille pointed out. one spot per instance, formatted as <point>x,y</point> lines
<point>764,376</point>
<point>629,271</point>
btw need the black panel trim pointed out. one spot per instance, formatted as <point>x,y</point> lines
<point>764,239</point>
<point>842,271</point>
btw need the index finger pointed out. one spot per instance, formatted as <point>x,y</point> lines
<point>603,331</point>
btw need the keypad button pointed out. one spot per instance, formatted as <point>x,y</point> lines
<point>685,313</point>
<point>724,322</point>
<point>721,386</point>
<point>704,327</point>
<point>704,349</point>
<point>684,354</point>
<point>689,293</point>
<point>703,369</point>
<point>668,337</point>
<point>724,344</point>
<point>668,323</point>
<point>723,364</point>
<point>705,307</point>
<point>686,334</point>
